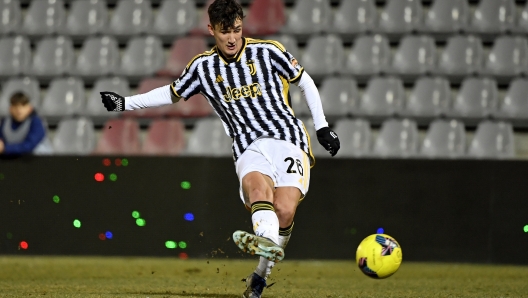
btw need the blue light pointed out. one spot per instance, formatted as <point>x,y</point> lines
<point>380,231</point>
<point>109,235</point>
<point>188,216</point>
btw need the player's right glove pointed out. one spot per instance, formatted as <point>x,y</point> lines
<point>329,140</point>
<point>113,102</point>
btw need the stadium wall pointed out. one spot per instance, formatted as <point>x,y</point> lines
<point>439,210</point>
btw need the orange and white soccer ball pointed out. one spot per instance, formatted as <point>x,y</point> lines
<point>379,256</point>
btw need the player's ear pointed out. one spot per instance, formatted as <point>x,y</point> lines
<point>211,29</point>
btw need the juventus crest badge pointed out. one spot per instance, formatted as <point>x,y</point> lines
<point>252,69</point>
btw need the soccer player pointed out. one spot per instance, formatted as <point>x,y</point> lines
<point>246,82</point>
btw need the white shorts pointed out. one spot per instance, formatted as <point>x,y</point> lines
<point>285,163</point>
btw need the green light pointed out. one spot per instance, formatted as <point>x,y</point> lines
<point>171,244</point>
<point>140,222</point>
<point>124,162</point>
<point>182,244</point>
<point>113,177</point>
<point>77,223</point>
<point>9,236</point>
<point>56,199</point>
<point>526,228</point>
<point>186,185</point>
<point>135,214</point>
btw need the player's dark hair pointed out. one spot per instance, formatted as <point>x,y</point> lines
<point>225,13</point>
<point>19,98</point>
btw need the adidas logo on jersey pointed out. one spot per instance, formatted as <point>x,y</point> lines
<point>219,79</point>
<point>252,91</point>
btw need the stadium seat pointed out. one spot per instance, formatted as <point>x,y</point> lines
<point>74,136</point>
<point>463,55</point>
<point>86,18</point>
<point>493,140</point>
<point>175,18</point>
<point>209,139</point>
<point>11,16</point>
<point>383,97</point>
<point>142,57</point>
<point>182,51</point>
<point>44,17</point>
<point>289,42</point>
<point>515,103</point>
<point>119,136</point>
<point>54,56</point>
<point>339,96</point>
<point>522,21</point>
<point>354,17</point>
<point>370,55</point>
<point>318,151</point>
<point>298,102</point>
<point>94,106</point>
<point>265,17</point>
<point>444,139</point>
<point>201,27</point>
<point>493,17</point>
<point>416,55</point>
<point>164,137</point>
<point>27,85</point>
<point>309,17</point>
<point>400,17</point>
<point>145,86</point>
<point>323,56</point>
<point>430,97</point>
<point>195,107</point>
<point>447,17</point>
<point>15,56</point>
<point>65,97</point>
<point>507,58</point>
<point>99,56</point>
<point>355,137</point>
<point>476,98</point>
<point>397,138</point>
<point>131,17</point>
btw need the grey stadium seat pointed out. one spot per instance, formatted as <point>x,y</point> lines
<point>75,136</point>
<point>416,55</point>
<point>353,17</point>
<point>27,85</point>
<point>355,137</point>
<point>131,17</point>
<point>476,98</point>
<point>143,57</point>
<point>298,102</point>
<point>323,56</point>
<point>44,17</point>
<point>65,97</point>
<point>462,56</point>
<point>175,18</point>
<point>397,138</point>
<point>444,139</point>
<point>54,56</point>
<point>339,96</point>
<point>10,16</point>
<point>493,140</point>
<point>370,55</point>
<point>209,139</point>
<point>508,58</point>
<point>15,56</point>
<point>318,151</point>
<point>289,42</point>
<point>515,103</point>
<point>447,17</point>
<point>99,56</point>
<point>94,107</point>
<point>522,21</point>
<point>309,17</point>
<point>401,17</point>
<point>383,97</point>
<point>430,97</point>
<point>493,17</point>
<point>86,18</point>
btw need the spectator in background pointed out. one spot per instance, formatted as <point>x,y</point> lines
<point>23,132</point>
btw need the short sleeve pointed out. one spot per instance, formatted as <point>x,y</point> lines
<point>188,84</point>
<point>285,64</point>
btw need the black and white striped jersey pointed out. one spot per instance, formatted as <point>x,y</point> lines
<point>249,92</point>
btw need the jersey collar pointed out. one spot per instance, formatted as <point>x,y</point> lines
<point>236,58</point>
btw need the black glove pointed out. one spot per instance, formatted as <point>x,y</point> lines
<point>329,140</point>
<point>113,102</point>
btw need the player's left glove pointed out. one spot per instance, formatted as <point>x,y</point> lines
<point>113,102</point>
<point>329,140</point>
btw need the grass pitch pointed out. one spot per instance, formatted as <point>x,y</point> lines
<point>163,277</point>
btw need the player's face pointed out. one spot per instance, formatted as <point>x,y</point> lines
<point>228,40</point>
<point>20,112</point>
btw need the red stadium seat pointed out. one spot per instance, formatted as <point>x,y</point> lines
<point>196,106</point>
<point>181,53</point>
<point>120,136</point>
<point>145,86</point>
<point>265,17</point>
<point>165,137</point>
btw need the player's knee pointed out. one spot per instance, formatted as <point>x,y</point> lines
<point>285,211</point>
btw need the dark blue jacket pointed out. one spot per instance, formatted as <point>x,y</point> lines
<point>35,135</point>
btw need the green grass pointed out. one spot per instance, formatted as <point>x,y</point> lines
<point>164,277</point>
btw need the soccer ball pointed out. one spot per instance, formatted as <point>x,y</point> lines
<point>379,256</point>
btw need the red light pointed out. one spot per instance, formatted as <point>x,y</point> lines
<point>107,162</point>
<point>23,245</point>
<point>183,256</point>
<point>102,236</point>
<point>99,177</point>
<point>118,162</point>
